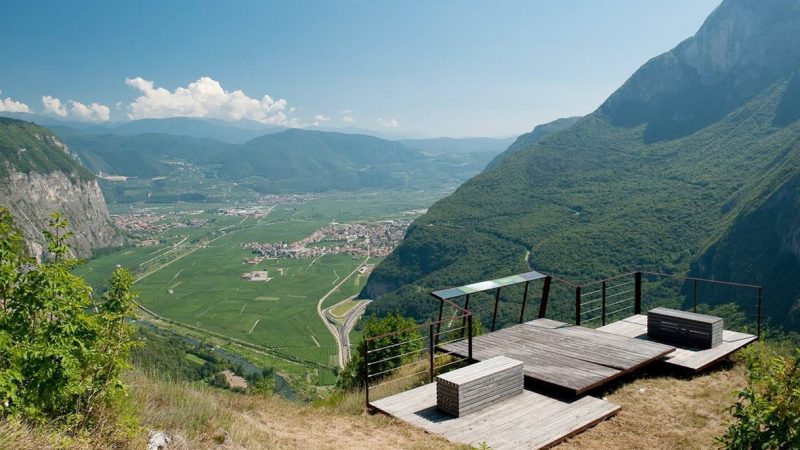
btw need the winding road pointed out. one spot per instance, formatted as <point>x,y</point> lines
<point>333,330</point>
<point>344,331</point>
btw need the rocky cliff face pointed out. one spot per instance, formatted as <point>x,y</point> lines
<point>32,197</point>
<point>742,48</point>
<point>39,177</point>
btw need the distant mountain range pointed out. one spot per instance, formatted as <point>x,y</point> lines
<point>234,132</point>
<point>691,166</point>
<point>277,159</point>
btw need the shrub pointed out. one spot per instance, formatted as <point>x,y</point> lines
<point>60,352</point>
<point>396,349</point>
<point>767,413</point>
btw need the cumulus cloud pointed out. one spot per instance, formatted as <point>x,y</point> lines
<point>93,112</point>
<point>319,119</point>
<point>388,123</point>
<point>53,105</point>
<point>10,105</point>
<point>203,98</point>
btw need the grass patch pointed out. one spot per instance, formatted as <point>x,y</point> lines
<point>342,308</point>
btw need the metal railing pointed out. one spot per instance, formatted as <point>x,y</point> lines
<point>697,283</point>
<point>599,302</point>
<point>417,354</point>
<point>413,355</point>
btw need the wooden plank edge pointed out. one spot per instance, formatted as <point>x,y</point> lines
<point>710,363</point>
<point>580,430</point>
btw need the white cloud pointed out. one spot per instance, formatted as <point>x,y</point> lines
<point>388,123</point>
<point>318,119</point>
<point>346,111</point>
<point>10,105</point>
<point>94,112</point>
<point>53,105</point>
<point>203,98</point>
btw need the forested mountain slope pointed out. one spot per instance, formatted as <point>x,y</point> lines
<point>691,165</point>
<point>303,160</point>
<point>294,160</point>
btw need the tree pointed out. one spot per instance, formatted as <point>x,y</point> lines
<point>60,353</point>
<point>398,342</point>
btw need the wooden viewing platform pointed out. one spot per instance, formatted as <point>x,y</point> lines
<point>528,420</point>
<point>561,362</point>
<point>685,357</point>
<point>568,357</point>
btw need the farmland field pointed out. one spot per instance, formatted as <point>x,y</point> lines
<point>193,276</point>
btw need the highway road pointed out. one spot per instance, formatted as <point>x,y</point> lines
<point>344,330</point>
<point>334,329</point>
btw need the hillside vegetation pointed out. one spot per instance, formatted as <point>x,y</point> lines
<point>293,160</point>
<point>26,148</point>
<point>692,165</point>
<point>697,411</point>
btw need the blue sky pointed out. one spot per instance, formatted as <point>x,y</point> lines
<point>454,68</point>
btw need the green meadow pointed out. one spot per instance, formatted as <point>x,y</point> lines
<point>194,277</point>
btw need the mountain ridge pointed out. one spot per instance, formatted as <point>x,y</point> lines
<point>635,185</point>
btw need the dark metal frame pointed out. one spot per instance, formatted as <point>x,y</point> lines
<point>637,296</point>
<point>433,338</point>
<point>542,305</point>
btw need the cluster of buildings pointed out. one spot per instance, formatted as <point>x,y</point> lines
<point>286,198</point>
<point>357,239</point>
<point>150,222</point>
<point>256,212</point>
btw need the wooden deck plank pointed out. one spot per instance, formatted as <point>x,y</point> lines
<point>580,415</point>
<point>596,346</point>
<point>540,365</point>
<point>528,420</point>
<point>573,358</point>
<point>684,358</point>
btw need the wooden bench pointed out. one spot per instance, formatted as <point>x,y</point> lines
<point>683,327</point>
<point>479,385</point>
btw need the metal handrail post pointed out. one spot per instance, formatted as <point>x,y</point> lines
<point>496,301</point>
<point>439,324</point>
<point>469,338</point>
<point>603,304</point>
<point>524,301</point>
<point>545,296</point>
<point>430,349</point>
<point>366,373</point>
